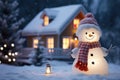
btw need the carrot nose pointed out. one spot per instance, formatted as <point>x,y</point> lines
<point>90,35</point>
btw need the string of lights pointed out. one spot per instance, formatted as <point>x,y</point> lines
<point>7,53</point>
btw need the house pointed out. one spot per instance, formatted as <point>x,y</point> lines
<point>56,27</point>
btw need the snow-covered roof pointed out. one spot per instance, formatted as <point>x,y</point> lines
<point>63,16</point>
<point>50,12</point>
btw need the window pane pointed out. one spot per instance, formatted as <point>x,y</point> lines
<point>35,43</point>
<point>66,43</point>
<point>50,42</point>
<point>76,23</point>
<point>46,20</point>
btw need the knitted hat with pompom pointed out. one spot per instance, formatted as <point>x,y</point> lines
<point>89,19</point>
<point>88,22</point>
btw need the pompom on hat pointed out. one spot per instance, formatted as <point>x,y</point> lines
<point>88,22</point>
<point>89,19</point>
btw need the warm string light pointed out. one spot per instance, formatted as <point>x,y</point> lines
<point>1,48</point>
<point>9,60</point>
<point>16,53</point>
<point>9,53</point>
<point>6,56</point>
<point>5,45</point>
<point>12,44</point>
<point>13,54</point>
<point>14,59</point>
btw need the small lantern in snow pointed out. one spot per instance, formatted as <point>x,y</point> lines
<point>48,69</point>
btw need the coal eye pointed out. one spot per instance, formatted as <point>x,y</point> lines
<point>86,33</point>
<point>92,32</point>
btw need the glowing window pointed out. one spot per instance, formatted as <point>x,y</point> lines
<point>50,42</point>
<point>35,43</point>
<point>46,20</point>
<point>66,42</point>
<point>76,23</point>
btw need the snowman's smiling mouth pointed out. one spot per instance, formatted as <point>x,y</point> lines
<point>89,38</point>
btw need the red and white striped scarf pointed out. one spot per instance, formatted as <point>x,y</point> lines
<point>83,54</point>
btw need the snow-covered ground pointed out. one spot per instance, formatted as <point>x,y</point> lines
<point>60,71</point>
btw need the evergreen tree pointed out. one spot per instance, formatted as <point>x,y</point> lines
<point>39,55</point>
<point>10,38</point>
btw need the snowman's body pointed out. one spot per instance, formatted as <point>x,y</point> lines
<point>96,62</point>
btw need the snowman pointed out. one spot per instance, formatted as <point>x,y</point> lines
<point>89,55</point>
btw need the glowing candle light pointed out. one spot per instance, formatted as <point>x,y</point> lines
<point>48,69</point>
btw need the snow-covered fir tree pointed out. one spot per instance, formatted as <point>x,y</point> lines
<point>39,55</point>
<point>10,33</point>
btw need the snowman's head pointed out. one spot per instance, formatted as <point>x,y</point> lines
<point>88,33</point>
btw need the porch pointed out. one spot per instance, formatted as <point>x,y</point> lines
<point>57,53</point>
<point>26,56</point>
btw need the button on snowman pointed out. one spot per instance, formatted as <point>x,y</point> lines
<point>89,55</point>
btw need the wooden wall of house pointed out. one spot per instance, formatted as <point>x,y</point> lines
<point>29,41</point>
<point>80,15</point>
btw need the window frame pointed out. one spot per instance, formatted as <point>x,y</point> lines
<point>36,43</point>
<point>77,21</point>
<point>68,42</point>
<point>50,50</point>
<point>51,43</point>
<point>46,23</point>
